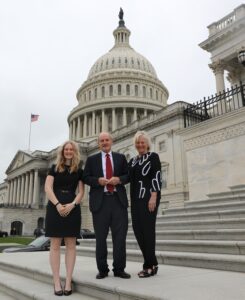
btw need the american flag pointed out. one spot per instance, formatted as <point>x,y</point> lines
<point>34,117</point>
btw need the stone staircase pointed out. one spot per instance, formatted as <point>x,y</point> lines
<point>203,234</point>
<point>208,234</point>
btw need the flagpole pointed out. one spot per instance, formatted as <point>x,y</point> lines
<point>29,144</point>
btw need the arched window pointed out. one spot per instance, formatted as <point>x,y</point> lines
<point>151,93</point>
<point>136,90</point>
<point>95,93</point>
<point>119,89</point>
<point>128,89</point>
<point>144,91</point>
<point>103,92</point>
<point>85,96</point>
<point>89,95</point>
<point>156,95</point>
<point>111,90</point>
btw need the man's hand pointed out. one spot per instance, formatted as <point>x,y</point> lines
<point>103,181</point>
<point>114,181</point>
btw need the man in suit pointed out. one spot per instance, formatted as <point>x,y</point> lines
<point>106,173</point>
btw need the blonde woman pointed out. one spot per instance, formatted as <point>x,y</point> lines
<point>63,216</point>
<point>145,192</point>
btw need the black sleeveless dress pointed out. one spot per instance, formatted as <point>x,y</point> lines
<point>64,187</point>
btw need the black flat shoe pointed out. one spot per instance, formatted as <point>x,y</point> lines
<point>67,293</point>
<point>101,275</point>
<point>123,275</point>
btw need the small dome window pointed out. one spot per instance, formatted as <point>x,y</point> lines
<point>128,89</point>
<point>119,89</point>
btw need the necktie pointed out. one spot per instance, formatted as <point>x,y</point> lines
<point>109,174</point>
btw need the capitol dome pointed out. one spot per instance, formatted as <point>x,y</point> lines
<point>121,88</point>
<point>122,58</point>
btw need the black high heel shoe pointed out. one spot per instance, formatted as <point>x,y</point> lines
<point>68,292</point>
<point>154,270</point>
<point>58,293</point>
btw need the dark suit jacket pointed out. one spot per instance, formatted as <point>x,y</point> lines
<point>93,170</point>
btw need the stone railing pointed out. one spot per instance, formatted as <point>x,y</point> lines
<point>228,20</point>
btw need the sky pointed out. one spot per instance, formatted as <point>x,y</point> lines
<point>48,47</point>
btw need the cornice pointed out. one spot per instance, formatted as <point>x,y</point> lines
<point>215,137</point>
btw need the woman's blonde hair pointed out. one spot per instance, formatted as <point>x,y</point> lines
<point>143,134</point>
<point>60,164</point>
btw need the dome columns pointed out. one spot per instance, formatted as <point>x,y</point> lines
<point>90,124</point>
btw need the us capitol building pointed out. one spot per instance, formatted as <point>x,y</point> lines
<point>201,147</point>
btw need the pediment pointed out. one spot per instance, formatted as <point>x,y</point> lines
<point>20,159</point>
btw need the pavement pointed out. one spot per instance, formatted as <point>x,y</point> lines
<point>171,282</point>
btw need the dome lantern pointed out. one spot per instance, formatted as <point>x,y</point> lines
<point>121,34</point>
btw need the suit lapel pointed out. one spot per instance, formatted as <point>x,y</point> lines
<point>99,164</point>
<point>115,163</point>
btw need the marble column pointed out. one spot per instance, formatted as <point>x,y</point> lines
<point>218,69</point>
<point>93,123</point>
<point>18,191</point>
<point>15,192</point>
<point>35,202</point>
<point>135,114</point>
<point>113,117</point>
<point>22,190</point>
<point>145,112</point>
<point>85,125</point>
<point>89,125</point>
<point>26,189</point>
<point>30,192</point>
<point>70,131</point>
<point>74,130</point>
<point>8,194</point>
<point>97,124</point>
<point>103,120</point>
<point>78,128</point>
<point>124,117</point>
<point>12,192</point>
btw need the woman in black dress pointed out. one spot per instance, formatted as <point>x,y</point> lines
<point>145,192</point>
<point>63,216</point>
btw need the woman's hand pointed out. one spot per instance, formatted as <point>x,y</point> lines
<point>67,208</point>
<point>152,202</point>
<point>60,208</point>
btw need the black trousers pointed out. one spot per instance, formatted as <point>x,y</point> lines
<point>144,226</point>
<point>113,215</point>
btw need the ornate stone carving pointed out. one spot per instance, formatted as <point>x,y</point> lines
<point>218,66</point>
<point>215,137</point>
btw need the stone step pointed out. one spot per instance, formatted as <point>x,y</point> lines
<point>238,223</point>
<point>226,262</point>
<point>4,296</point>
<point>222,199</point>
<point>237,205</point>
<point>218,247</point>
<point>202,234</point>
<point>28,276</point>
<point>238,190</point>
<point>219,214</point>
<point>22,287</point>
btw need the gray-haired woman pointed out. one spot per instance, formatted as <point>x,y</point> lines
<point>145,192</point>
